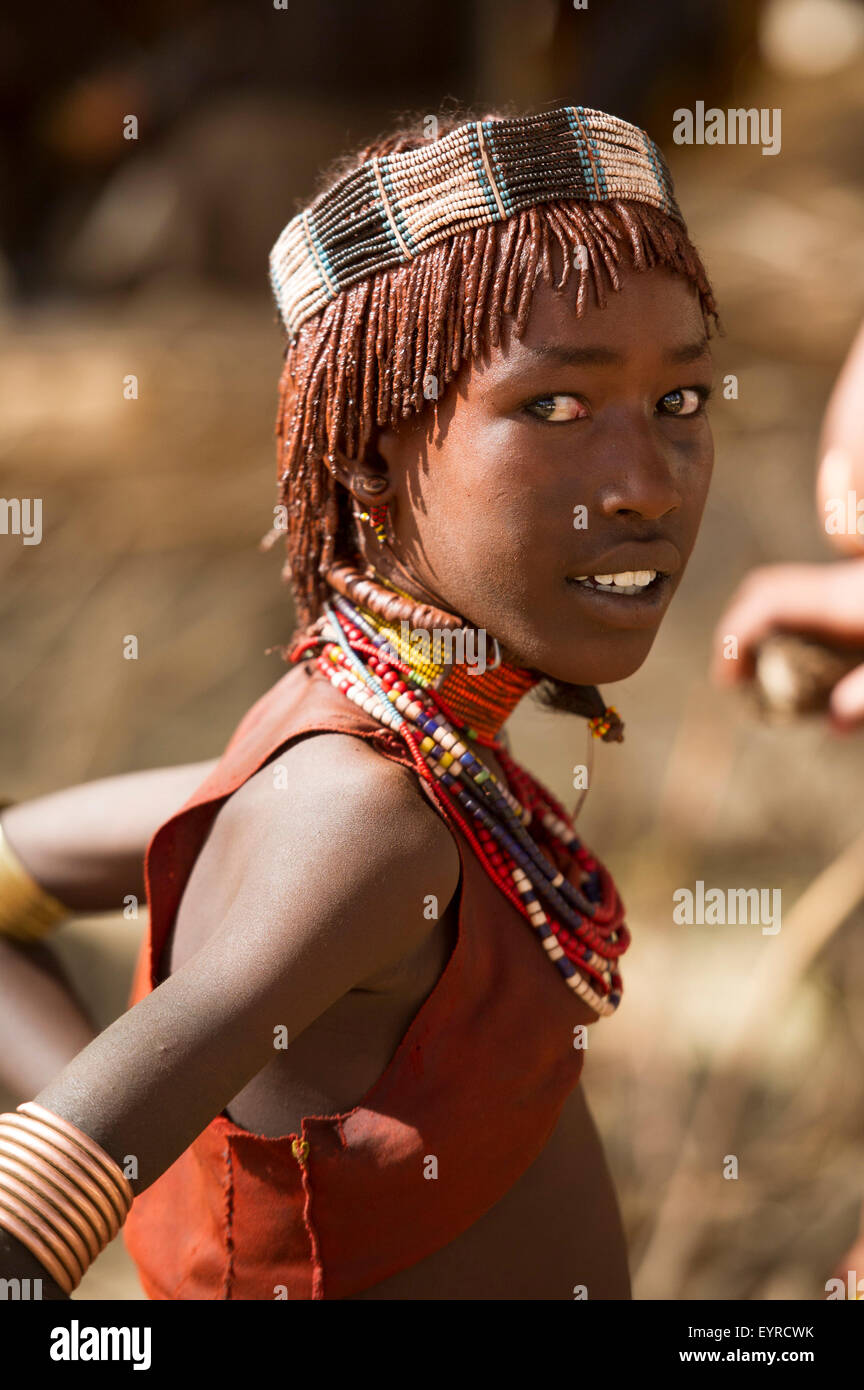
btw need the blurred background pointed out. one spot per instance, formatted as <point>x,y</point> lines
<point>148,258</point>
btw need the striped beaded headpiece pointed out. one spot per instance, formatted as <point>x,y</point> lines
<point>391,209</point>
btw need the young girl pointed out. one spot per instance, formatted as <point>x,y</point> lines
<point>350,1066</point>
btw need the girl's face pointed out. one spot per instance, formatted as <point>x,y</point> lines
<point>580,449</point>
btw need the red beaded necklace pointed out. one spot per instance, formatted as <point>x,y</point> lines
<point>481,705</point>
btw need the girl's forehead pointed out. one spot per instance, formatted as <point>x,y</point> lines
<point>653,306</point>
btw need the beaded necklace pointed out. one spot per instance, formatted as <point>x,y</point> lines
<point>477,700</point>
<point>580,925</point>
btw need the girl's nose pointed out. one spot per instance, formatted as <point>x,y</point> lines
<point>640,479</point>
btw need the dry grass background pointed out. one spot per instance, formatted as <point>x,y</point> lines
<point>152,512</point>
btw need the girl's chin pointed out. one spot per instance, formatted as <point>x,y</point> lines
<point>586,658</point>
<point>606,669</point>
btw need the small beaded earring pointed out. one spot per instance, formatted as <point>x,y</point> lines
<point>606,724</point>
<point>377,514</point>
<point>377,518</point>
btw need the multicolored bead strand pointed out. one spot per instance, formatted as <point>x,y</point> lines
<point>468,699</point>
<point>521,835</point>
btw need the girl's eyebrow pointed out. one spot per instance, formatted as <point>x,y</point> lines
<point>690,352</point>
<point>597,356</point>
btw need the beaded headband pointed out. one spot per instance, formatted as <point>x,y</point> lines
<point>391,209</point>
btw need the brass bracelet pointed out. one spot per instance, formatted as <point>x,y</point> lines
<point>27,912</point>
<point>57,1187</point>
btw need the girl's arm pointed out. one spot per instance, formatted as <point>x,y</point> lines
<point>43,1024</point>
<point>86,845</point>
<point>324,886</point>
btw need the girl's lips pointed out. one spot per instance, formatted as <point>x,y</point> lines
<point>625,610</point>
<point>628,582</point>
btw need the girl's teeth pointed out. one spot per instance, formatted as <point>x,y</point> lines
<point>627,582</point>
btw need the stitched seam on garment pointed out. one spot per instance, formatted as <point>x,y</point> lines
<point>228,1279</point>
<point>315,1253</point>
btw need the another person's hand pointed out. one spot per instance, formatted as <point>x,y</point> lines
<point>841,449</point>
<point>824,601</point>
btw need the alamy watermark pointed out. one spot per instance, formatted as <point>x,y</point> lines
<point>844,516</point>
<point>21,516</point>
<point>853,1289</point>
<point>77,1343</point>
<point>728,906</point>
<point>461,646</point>
<point>737,126</point>
<point>20,1290</point>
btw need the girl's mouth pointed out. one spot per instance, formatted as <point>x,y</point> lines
<point>626,584</point>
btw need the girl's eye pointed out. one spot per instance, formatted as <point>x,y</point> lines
<point>686,401</point>
<point>557,408</point>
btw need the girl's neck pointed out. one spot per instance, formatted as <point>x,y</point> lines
<point>463,669</point>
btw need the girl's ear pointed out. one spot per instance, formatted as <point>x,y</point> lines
<point>367,479</point>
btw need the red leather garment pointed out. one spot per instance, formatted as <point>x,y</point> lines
<point>478,1080</point>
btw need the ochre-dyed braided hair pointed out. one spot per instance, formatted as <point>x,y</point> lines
<point>362,361</point>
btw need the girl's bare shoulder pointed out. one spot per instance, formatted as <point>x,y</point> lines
<point>328,840</point>
<point>338,782</point>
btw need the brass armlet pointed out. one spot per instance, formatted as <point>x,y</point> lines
<point>27,912</point>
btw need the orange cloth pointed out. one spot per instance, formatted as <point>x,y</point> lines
<point>478,1081</point>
